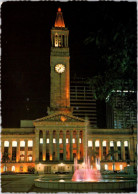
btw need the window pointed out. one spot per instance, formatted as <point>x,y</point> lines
<point>54,140</point>
<point>97,143</point>
<point>118,143</point>
<point>47,140</point>
<point>14,143</point>
<point>89,143</point>
<point>13,168</point>
<point>104,143</point>
<point>126,143</point>
<point>106,166</point>
<point>121,167</point>
<point>30,143</point>
<point>60,140</point>
<point>67,140</point>
<point>22,143</point>
<point>41,140</point>
<point>79,140</point>
<point>111,144</point>
<point>6,143</point>
<point>21,168</point>
<point>30,158</point>
<point>4,168</point>
<point>73,140</point>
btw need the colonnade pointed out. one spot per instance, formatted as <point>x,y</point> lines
<point>66,134</point>
<point>115,152</point>
<point>18,151</point>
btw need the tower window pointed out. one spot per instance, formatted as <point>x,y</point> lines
<point>41,140</point>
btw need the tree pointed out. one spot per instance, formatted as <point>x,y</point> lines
<point>115,42</point>
<point>5,158</point>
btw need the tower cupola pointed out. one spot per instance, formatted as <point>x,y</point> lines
<point>59,23</point>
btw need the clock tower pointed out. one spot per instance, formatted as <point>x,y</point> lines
<point>60,70</point>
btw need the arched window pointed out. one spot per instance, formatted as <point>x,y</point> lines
<point>97,143</point>
<point>4,168</point>
<point>30,143</point>
<point>13,168</point>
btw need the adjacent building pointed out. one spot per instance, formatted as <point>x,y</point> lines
<point>51,143</point>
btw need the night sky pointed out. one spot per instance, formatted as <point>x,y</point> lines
<point>26,50</point>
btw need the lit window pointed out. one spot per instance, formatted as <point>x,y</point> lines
<point>54,140</point>
<point>89,143</point>
<point>67,140</point>
<point>79,140</point>
<point>30,143</point>
<point>13,168</point>
<point>30,158</point>
<point>106,166</point>
<point>22,143</point>
<point>97,143</point>
<point>6,143</point>
<point>4,168</point>
<point>47,140</point>
<point>104,143</point>
<point>60,140</point>
<point>14,143</point>
<point>41,140</point>
<point>111,143</point>
<point>118,143</point>
<point>126,143</point>
<point>121,167</point>
<point>73,140</point>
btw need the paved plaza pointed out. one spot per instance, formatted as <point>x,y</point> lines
<point>25,183</point>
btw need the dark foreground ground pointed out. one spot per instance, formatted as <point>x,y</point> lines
<point>25,183</point>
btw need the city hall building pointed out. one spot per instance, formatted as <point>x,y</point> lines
<point>52,142</point>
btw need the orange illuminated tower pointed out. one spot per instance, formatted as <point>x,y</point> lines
<point>60,68</point>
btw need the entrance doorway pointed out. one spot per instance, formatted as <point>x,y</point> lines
<point>61,168</point>
<point>47,169</point>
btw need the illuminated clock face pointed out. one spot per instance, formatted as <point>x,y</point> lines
<point>60,68</point>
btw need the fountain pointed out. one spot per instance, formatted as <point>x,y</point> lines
<point>86,173</point>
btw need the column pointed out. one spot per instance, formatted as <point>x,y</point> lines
<point>93,145</point>
<point>37,145</point>
<point>101,150</point>
<point>51,145</point>
<point>107,149</point>
<point>10,150</point>
<point>33,155</point>
<point>26,150</point>
<point>2,148</point>
<point>122,151</point>
<point>65,40</point>
<point>57,145</point>
<point>64,145</point>
<point>131,149</point>
<point>116,153</point>
<point>18,151</point>
<point>71,146</point>
<point>78,145</point>
<point>44,145</point>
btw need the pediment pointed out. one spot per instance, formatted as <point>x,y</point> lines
<point>60,117</point>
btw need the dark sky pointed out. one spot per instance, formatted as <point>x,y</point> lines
<point>26,50</point>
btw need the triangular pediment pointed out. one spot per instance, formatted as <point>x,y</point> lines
<point>60,117</point>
